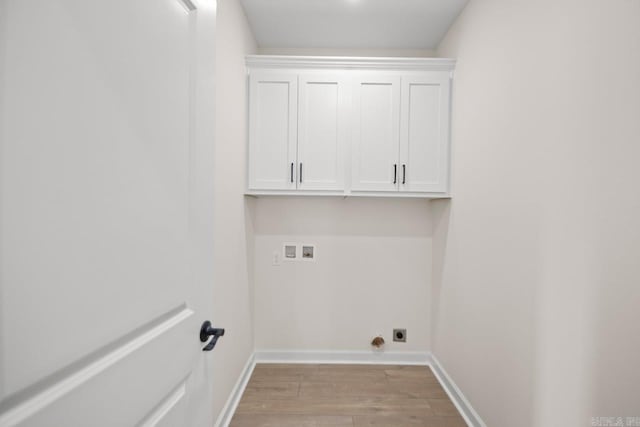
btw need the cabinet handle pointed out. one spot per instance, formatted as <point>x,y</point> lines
<point>301,172</point>
<point>291,172</point>
<point>404,174</point>
<point>395,173</point>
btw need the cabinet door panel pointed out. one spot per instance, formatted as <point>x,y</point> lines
<point>322,126</point>
<point>376,135</point>
<point>424,147</point>
<point>272,131</point>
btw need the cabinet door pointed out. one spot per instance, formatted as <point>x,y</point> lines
<point>424,146</point>
<point>322,131</point>
<point>272,130</point>
<point>376,134</point>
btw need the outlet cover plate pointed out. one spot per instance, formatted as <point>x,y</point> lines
<point>290,252</point>
<point>309,252</point>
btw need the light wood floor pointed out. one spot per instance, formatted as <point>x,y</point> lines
<point>344,396</point>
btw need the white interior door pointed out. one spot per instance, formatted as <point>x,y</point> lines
<point>106,133</point>
<point>323,117</point>
<point>273,130</point>
<point>376,133</point>
<point>424,142</point>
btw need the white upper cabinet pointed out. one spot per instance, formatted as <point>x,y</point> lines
<point>424,134</point>
<point>376,133</point>
<point>323,130</point>
<point>349,126</point>
<point>273,127</point>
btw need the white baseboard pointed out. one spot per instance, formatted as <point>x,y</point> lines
<point>342,357</point>
<point>470,416</point>
<point>224,419</point>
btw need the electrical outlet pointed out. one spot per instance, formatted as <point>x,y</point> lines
<point>400,335</point>
<point>309,252</point>
<point>290,251</point>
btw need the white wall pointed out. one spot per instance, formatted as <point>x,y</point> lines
<point>536,272</point>
<point>234,236</point>
<point>370,277</point>
<point>372,273</point>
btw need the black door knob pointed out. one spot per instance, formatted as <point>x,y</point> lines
<point>207,331</point>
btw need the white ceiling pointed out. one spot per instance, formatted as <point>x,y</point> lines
<point>344,24</point>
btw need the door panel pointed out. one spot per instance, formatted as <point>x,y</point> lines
<point>273,131</point>
<point>100,389</point>
<point>323,131</point>
<point>424,143</point>
<point>171,411</point>
<point>376,134</point>
<point>99,307</point>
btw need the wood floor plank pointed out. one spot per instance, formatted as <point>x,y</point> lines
<point>408,421</point>
<point>290,367</point>
<point>416,389</point>
<point>410,373</point>
<point>265,372</point>
<point>347,389</point>
<point>443,407</point>
<point>344,395</point>
<point>273,389</point>
<point>241,420</point>
<point>346,378</point>
<point>336,406</point>
<point>345,375</point>
<point>393,389</point>
<point>352,368</point>
<point>264,377</point>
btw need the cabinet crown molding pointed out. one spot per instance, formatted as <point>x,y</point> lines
<point>351,63</point>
